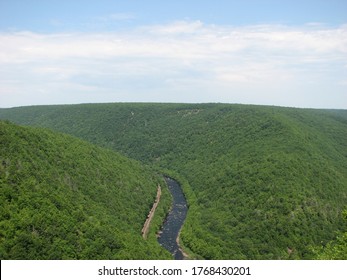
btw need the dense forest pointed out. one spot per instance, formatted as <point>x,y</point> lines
<point>64,198</point>
<point>262,182</point>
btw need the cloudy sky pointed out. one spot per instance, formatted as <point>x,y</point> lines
<point>286,53</point>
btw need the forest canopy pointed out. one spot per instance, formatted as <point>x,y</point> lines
<point>262,182</point>
<point>64,198</point>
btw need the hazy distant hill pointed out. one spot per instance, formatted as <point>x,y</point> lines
<point>64,198</point>
<point>262,182</point>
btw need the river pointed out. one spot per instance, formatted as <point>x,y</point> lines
<point>174,221</point>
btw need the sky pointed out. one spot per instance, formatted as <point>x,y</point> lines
<point>284,53</point>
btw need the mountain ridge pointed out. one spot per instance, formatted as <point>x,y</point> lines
<point>64,198</point>
<point>269,182</point>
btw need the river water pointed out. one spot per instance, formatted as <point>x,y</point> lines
<point>174,220</point>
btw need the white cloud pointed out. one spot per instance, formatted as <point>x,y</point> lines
<point>176,28</point>
<point>181,61</point>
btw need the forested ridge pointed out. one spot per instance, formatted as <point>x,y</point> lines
<point>64,198</point>
<point>262,182</point>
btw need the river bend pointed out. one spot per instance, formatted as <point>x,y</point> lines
<point>174,221</point>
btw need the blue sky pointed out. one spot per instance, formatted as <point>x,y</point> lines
<point>58,15</point>
<point>286,53</point>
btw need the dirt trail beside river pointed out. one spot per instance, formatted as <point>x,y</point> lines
<point>150,216</point>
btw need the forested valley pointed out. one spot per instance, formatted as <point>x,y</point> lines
<point>262,182</point>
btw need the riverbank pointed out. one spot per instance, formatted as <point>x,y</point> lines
<point>150,216</point>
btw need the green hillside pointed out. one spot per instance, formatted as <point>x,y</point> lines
<point>262,182</point>
<point>63,198</point>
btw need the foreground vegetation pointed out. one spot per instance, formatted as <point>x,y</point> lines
<point>63,198</point>
<point>262,182</point>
